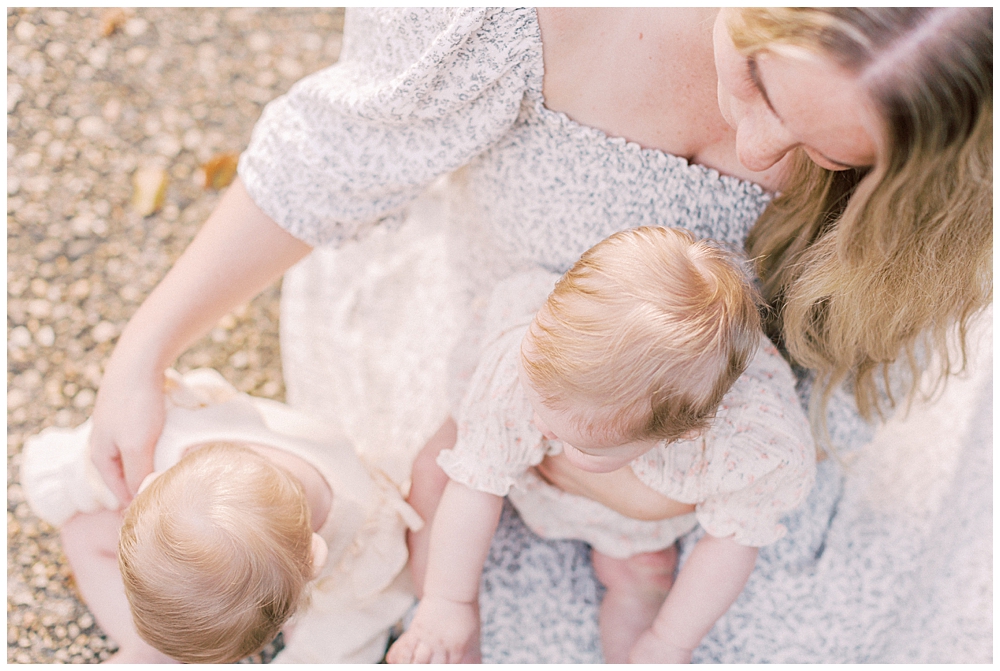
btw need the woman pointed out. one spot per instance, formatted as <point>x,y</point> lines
<point>874,125</point>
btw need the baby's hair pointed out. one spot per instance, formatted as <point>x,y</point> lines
<point>650,328</point>
<point>215,554</point>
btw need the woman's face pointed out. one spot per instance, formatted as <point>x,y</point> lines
<point>788,97</point>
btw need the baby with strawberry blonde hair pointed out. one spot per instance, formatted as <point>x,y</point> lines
<point>256,520</point>
<point>217,552</point>
<point>645,361</point>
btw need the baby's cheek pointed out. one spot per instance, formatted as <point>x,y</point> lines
<point>543,427</point>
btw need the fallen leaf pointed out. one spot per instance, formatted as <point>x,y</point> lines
<point>220,170</point>
<point>112,20</point>
<point>149,189</point>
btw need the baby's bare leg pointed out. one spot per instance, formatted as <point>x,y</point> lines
<point>427,485</point>
<point>637,588</point>
<point>90,542</point>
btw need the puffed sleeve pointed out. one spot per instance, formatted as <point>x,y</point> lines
<point>755,463</point>
<point>497,441</point>
<point>417,93</point>
<point>58,477</point>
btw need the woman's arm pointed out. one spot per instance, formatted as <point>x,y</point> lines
<point>708,584</point>
<point>237,253</point>
<point>445,628</point>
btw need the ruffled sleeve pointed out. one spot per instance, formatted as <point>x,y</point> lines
<point>497,441</point>
<point>417,93</point>
<point>59,478</point>
<point>755,463</point>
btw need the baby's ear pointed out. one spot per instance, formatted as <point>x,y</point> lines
<point>320,551</point>
<point>146,481</point>
<point>692,434</point>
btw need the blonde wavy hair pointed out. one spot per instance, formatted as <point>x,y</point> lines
<point>867,267</point>
<point>215,555</point>
<point>650,328</point>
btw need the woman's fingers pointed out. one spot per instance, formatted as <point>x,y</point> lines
<point>122,470</point>
<point>137,466</point>
<point>127,421</point>
<point>108,462</point>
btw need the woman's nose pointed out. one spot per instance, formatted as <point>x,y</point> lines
<point>762,143</point>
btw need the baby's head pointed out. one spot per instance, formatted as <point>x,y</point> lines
<point>215,554</point>
<point>638,343</point>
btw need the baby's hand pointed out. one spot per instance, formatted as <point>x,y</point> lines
<point>652,649</point>
<point>442,632</point>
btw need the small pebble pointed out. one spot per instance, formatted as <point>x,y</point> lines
<point>136,55</point>
<point>259,41</point>
<point>84,398</point>
<point>19,337</point>
<point>39,308</point>
<point>45,337</point>
<point>24,30</point>
<point>104,332</point>
<point>91,126</point>
<point>136,27</point>
<point>239,360</point>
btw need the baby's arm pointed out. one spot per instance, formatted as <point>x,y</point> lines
<point>708,584</point>
<point>90,541</point>
<point>445,628</point>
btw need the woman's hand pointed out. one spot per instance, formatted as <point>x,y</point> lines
<point>127,421</point>
<point>619,490</point>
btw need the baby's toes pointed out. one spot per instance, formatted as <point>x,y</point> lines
<point>401,652</point>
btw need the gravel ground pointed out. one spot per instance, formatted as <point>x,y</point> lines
<point>93,96</point>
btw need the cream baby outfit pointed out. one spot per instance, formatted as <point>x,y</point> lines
<point>754,464</point>
<point>361,592</point>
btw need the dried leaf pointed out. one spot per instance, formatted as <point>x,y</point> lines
<point>220,170</point>
<point>149,190</point>
<point>112,20</point>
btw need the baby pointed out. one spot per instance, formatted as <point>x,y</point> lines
<point>256,519</point>
<point>646,361</point>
